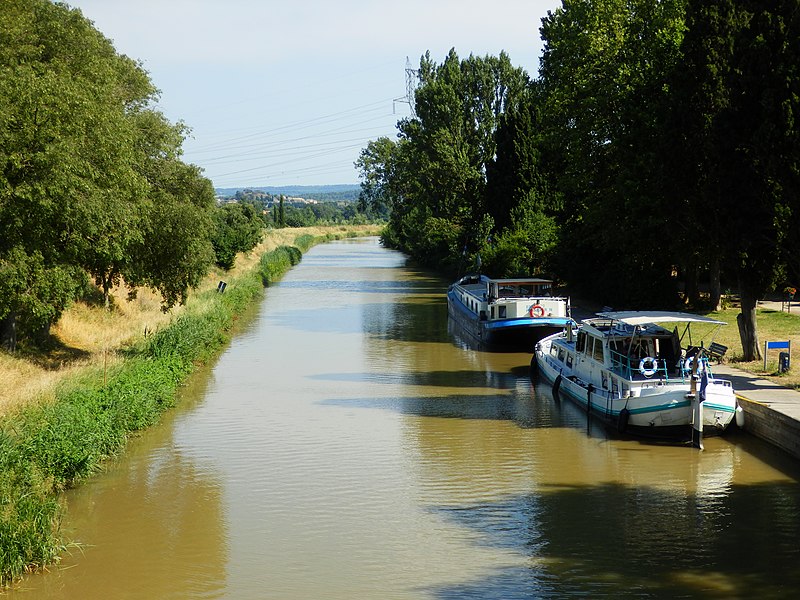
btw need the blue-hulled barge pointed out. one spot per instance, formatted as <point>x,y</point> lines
<point>507,313</point>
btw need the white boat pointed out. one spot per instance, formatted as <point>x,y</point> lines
<point>507,312</point>
<point>642,372</point>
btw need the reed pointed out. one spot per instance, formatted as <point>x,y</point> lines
<point>54,443</point>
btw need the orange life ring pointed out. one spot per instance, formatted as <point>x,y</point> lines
<point>536,311</point>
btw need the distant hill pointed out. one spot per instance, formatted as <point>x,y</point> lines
<point>323,193</point>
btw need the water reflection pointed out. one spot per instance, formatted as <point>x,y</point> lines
<point>610,518</point>
<point>168,510</point>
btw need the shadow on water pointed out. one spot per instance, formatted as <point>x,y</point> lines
<point>706,536</point>
<point>494,407</point>
<point>501,380</point>
<point>615,540</point>
<point>407,288</point>
<point>417,321</point>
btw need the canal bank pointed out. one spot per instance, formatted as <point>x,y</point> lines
<point>772,412</point>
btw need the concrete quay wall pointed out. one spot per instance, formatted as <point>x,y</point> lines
<point>772,426</point>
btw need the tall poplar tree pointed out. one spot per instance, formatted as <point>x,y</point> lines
<point>602,76</point>
<point>443,155</point>
<point>760,150</point>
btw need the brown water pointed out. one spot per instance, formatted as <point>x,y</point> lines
<point>346,445</point>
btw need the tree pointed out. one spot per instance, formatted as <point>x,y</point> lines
<point>238,228</point>
<point>434,176</point>
<point>734,107</point>
<point>176,252</point>
<point>520,200</point>
<point>64,148</point>
<point>698,96</point>
<point>761,155</point>
<point>374,165</point>
<point>602,80</point>
<point>34,294</point>
<point>90,173</point>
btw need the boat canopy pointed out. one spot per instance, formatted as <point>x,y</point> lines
<point>521,281</point>
<point>637,317</point>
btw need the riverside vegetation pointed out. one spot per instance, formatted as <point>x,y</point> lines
<point>76,420</point>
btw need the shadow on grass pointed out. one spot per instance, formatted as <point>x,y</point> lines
<point>50,353</point>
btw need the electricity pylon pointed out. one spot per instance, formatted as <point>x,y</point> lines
<point>411,86</point>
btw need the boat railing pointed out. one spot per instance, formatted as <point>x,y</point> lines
<point>657,368</point>
<point>621,364</point>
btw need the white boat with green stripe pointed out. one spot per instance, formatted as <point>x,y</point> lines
<point>644,372</point>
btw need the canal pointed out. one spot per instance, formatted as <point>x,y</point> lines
<point>346,445</point>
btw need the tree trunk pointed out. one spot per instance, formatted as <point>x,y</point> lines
<point>691,285</point>
<point>106,289</point>
<point>8,332</point>
<point>715,287</point>
<point>42,336</point>
<point>747,328</point>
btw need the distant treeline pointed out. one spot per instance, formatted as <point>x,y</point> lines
<point>323,193</point>
<point>295,211</point>
<point>659,144</point>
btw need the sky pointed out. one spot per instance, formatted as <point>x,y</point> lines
<point>288,92</point>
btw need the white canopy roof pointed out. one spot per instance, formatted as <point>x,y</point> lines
<point>640,317</point>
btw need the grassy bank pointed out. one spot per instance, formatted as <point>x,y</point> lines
<point>63,436</point>
<point>773,325</point>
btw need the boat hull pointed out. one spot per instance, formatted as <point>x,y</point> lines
<point>515,333</point>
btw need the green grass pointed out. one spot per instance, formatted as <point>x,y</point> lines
<point>50,447</point>
<point>771,325</point>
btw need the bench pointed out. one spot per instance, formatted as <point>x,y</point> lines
<point>716,351</point>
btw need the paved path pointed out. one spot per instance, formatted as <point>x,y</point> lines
<point>793,307</point>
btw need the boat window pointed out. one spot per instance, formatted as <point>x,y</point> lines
<point>502,312</point>
<point>581,343</point>
<point>614,386</point>
<point>569,360</point>
<point>553,351</point>
<point>561,354</point>
<point>605,381</point>
<point>598,350</point>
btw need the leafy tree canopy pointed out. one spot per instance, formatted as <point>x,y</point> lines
<point>86,164</point>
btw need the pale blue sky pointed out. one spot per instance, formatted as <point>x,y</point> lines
<point>288,92</point>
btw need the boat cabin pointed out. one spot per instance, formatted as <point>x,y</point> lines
<point>529,287</point>
<point>631,348</point>
<point>621,348</point>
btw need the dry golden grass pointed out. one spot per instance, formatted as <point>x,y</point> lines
<point>88,336</point>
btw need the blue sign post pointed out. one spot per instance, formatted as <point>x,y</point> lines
<point>787,345</point>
